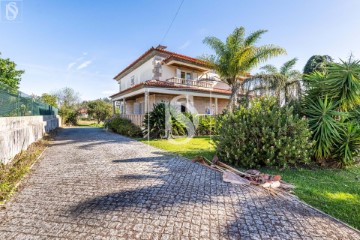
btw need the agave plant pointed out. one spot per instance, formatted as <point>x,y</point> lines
<point>343,83</point>
<point>322,115</point>
<point>155,123</point>
<point>331,105</point>
<point>349,143</point>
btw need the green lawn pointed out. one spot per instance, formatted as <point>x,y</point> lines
<point>196,146</point>
<point>336,192</point>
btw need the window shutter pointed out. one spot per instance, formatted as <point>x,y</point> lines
<point>178,73</point>
<point>141,108</point>
<point>136,108</point>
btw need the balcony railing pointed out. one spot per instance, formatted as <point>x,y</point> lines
<point>136,119</point>
<point>190,83</point>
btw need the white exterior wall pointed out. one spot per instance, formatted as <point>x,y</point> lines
<point>170,71</point>
<point>143,73</point>
<point>167,72</point>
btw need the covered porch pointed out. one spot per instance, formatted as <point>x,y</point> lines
<point>134,105</point>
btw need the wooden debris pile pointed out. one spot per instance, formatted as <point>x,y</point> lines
<point>253,177</point>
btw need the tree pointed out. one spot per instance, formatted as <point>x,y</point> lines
<point>99,109</point>
<point>284,82</point>
<point>9,75</point>
<point>236,57</point>
<point>49,99</point>
<point>68,100</point>
<point>317,63</point>
<point>67,97</point>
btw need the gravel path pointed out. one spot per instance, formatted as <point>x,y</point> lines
<point>91,184</point>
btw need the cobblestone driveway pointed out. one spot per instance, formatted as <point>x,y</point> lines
<point>91,184</point>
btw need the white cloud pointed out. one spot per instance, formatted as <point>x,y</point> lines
<point>185,45</point>
<point>71,65</point>
<point>84,64</point>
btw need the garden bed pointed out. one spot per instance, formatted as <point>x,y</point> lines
<point>12,173</point>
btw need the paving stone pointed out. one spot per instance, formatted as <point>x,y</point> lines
<point>91,184</point>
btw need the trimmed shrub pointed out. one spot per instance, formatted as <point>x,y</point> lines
<point>123,126</point>
<point>69,115</point>
<point>264,134</point>
<point>206,125</point>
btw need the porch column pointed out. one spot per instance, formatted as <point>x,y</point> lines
<point>124,106</point>
<point>187,103</point>
<point>216,106</point>
<point>146,100</point>
<point>113,107</point>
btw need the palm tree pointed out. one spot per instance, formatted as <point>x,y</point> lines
<point>283,82</point>
<point>236,57</point>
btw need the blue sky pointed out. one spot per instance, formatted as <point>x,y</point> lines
<point>84,44</point>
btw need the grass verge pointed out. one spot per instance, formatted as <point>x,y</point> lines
<point>89,123</point>
<point>12,173</point>
<point>334,191</point>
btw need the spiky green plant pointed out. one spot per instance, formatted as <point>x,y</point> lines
<point>331,104</point>
<point>155,123</point>
<point>349,143</point>
<point>322,114</point>
<point>343,83</point>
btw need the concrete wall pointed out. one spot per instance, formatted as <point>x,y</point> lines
<point>17,133</point>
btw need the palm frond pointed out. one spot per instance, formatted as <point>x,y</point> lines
<point>235,39</point>
<point>253,37</point>
<point>270,69</point>
<point>216,44</point>
<point>263,53</point>
<point>287,66</point>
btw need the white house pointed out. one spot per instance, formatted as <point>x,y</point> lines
<point>160,75</point>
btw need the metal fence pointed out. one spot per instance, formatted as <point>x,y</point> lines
<point>15,103</point>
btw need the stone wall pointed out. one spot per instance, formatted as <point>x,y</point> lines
<point>17,133</point>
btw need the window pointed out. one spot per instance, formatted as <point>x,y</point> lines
<point>185,75</point>
<point>188,76</point>
<point>132,82</point>
<point>183,108</point>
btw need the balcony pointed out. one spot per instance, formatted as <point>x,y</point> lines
<point>190,83</point>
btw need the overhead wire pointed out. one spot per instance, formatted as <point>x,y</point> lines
<point>172,21</point>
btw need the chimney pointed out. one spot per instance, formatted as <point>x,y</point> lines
<point>161,47</point>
